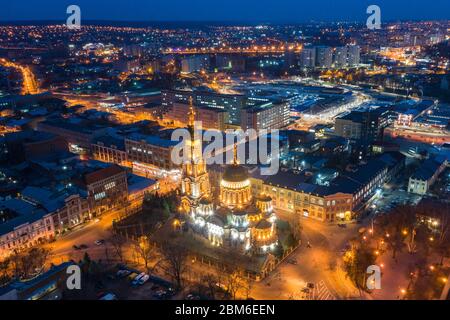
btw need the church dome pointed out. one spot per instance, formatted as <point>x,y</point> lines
<point>235,173</point>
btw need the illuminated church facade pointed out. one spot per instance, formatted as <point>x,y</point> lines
<point>236,219</point>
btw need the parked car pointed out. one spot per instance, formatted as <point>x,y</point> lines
<point>136,280</point>
<point>123,273</point>
<point>192,296</point>
<point>76,247</point>
<point>143,279</point>
<point>160,294</point>
<point>132,276</point>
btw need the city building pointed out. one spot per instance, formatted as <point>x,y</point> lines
<point>308,57</point>
<point>232,103</point>
<point>268,115</point>
<point>426,175</point>
<point>110,149</point>
<point>25,145</point>
<point>150,155</point>
<point>78,136</point>
<point>324,57</point>
<point>353,55</point>
<point>106,189</point>
<point>340,57</point>
<point>195,63</point>
<point>46,286</point>
<point>23,225</point>
<point>68,209</point>
<point>210,118</point>
<point>365,125</point>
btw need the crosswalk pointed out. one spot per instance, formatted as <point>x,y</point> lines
<point>321,292</point>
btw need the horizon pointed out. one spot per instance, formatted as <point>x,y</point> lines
<point>234,11</point>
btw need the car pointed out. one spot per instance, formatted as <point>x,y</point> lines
<point>143,279</point>
<point>136,280</point>
<point>192,296</point>
<point>83,246</point>
<point>123,273</point>
<point>342,225</point>
<point>76,247</point>
<point>310,285</point>
<point>292,261</point>
<point>305,290</point>
<point>132,276</point>
<point>162,294</point>
<point>99,242</point>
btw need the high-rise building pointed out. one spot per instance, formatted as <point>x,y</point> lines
<point>269,115</point>
<point>340,57</point>
<point>365,125</point>
<point>324,56</point>
<point>232,103</point>
<point>308,57</point>
<point>194,63</point>
<point>353,55</point>
<point>211,118</point>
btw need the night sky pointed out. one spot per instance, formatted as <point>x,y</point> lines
<point>225,10</point>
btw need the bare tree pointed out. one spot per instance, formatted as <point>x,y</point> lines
<point>211,281</point>
<point>29,263</point>
<point>5,276</point>
<point>176,263</point>
<point>118,242</point>
<point>443,239</point>
<point>234,283</point>
<point>396,226</point>
<point>145,250</point>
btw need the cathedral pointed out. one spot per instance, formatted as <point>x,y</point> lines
<point>236,219</point>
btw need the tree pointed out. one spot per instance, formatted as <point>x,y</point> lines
<point>356,261</point>
<point>211,282</point>
<point>175,258</point>
<point>396,225</point>
<point>443,232</point>
<point>5,276</point>
<point>296,228</point>
<point>233,283</point>
<point>118,242</point>
<point>29,262</point>
<point>145,250</point>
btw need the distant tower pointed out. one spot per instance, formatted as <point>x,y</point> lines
<point>195,181</point>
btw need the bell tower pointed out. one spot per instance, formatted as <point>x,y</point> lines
<point>195,181</point>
